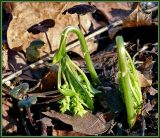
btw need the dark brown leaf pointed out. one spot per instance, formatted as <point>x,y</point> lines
<point>43,26</point>
<point>137,18</point>
<point>66,133</point>
<point>31,13</point>
<point>88,124</point>
<point>81,9</point>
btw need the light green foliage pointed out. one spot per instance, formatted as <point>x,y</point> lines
<point>128,83</point>
<point>76,87</point>
<point>32,52</point>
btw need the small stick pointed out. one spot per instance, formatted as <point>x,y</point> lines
<point>152,9</point>
<point>24,123</point>
<point>80,25</point>
<point>43,128</point>
<point>71,45</point>
<point>30,116</point>
<point>50,47</point>
<point>143,125</point>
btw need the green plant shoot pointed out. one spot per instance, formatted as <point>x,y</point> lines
<point>76,88</point>
<point>128,83</point>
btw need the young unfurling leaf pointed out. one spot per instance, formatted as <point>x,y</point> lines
<point>128,83</point>
<point>76,87</point>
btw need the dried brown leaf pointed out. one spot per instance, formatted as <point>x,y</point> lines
<point>113,10</point>
<point>152,91</point>
<point>48,82</point>
<point>4,57</point>
<point>88,124</point>
<point>144,82</point>
<point>56,132</point>
<point>9,123</point>
<point>26,14</point>
<point>16,60</point>
<point>137,18</point>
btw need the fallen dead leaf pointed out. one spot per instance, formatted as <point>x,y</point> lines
<point>4,57</point>
<point>110,100</point>
<point>144,82</point>
<point>16,60</point>
<point>137,18</point>
<point>9,124</point>
<point>26,14</point>
<point>147,63</point>
<point>66,133</point>
<point>152,91</point>
<point>113,10</point>
<point>48,82</point>
<point>88,124</point>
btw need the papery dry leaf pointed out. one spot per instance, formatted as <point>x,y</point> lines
<point>147,63</point>
<point>56,132</point>
<point>113,10</point>
<point>16,60</point>
<point>137,18</point>
<point>88,124</point>
<point>4,57</point>
<point>9,124</point>
<point>48,82</point>
<point>26,14</point>
<point>152,91</point>
<point>144,82</point>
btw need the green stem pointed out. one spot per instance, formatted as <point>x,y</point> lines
<point>62,51</point>
<point>124,78</point>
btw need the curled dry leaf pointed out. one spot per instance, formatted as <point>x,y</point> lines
<point>88,124</point>
<point>137,18</point>
<point>48,82</point>
<point>26,14</point>
<point>144,82</point>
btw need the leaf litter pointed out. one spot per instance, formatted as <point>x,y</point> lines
<point>109,116</point>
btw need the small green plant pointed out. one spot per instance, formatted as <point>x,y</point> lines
<point>128,83</point>
<point>76,88</point>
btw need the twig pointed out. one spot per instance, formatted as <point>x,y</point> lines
<point>24,123</point>
<point>152,9</point>
<point>143,125</point>
<point>70,46</point>
<point>43,128</point>
<point>50,47</point>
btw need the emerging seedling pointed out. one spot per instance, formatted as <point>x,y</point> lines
<point>76,88</point>
<point>128,83</point>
